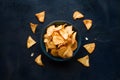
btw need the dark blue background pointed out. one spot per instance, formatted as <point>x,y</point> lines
<point>15,60</point>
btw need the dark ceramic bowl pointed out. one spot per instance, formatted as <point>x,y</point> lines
<point>58,22</point>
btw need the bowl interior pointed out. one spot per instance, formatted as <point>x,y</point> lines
<point>78,38</point>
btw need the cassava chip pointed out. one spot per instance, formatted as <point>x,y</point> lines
<point>87,23</point>
<point>74,37</point>
<point>38,60</point>
<point>77,15</point>
<point>68,29</point>
<point>68,53</point>
<point>55,34</point>
<point>40,16</point>
<point>64,33</point>
<point>74,46</point>
<point>46,40</point>
<point>89,47</point>
<point>57,40</point>
<point>50,45</point>
<point>50,30</point>
<point>30,42</point>
<point>33,27</point>
<point>61,51</point>
<point>58,27</point>
<point>54,52</point>
<point>84,60</point>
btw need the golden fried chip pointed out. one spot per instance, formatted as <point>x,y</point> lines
<point>54,52</point>
<point>61,51</point>
<point>58,40</point>
<point>46,36</point>
<point>50,30</point>
<point>46,40</point>
<point>58,27</point>
<point>74,37</point>
<point>51,45</point>
<point>74,46</point>
<point>40,16</point>
<point>33,27</point>
<point>55,34</point>
<point>89,47</point>
<point>63,33</point>
<point>77,15</point>
<point>87,23</point>
<point>84,60</point>
<point>68,53</point>
<point>30,42</point>
<point>68,29</point>
<point>38,60</point>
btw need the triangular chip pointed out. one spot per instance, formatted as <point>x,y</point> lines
<point>68,53</point>
<point>30,42</point>
<point>38,60</point>
<point>74,46</point>
<point>63,33</point>
<point>87,23</point>
<point>40,16</point>
<point>58,40</point>
<point>50,30</point>
<point>50,45</point>
<point>68,29</point>
<point>54,52</point>
<point>33,27</point>
<point>61,51</point>
<point>89,47</point>
<point>77,15</point>
<point>84,60</point>
<point>74,37</point>
<point>58,27</point>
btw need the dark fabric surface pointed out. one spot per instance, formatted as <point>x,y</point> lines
<point>16,62</point>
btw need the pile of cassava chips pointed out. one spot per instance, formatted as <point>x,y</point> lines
<point>60,40</point>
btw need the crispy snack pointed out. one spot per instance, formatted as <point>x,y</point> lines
<point>87,23</point>
<point>38,60</point>
<point>30,42</point>
<point>54,52</point>
<point>58,27</point>
<point>61,51</point>
<point>40,16</point>
<point>68,53</point>
<point>33,27</point>
<point>74,46</point>
<point>50,45</point>
<point>60,40</point>
<point>77,15</point>
<point>84,60</point>
<point>55,33</point>
<point>74,37</point>
<point>64,33</point>
<point>47,38</point>
<point>89,47</point>
<point>68,29</point>
<point>50,30</point>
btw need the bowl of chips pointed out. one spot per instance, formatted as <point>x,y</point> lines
<point>60,40</point>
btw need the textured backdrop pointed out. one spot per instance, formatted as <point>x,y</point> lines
<point>16,62</point>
